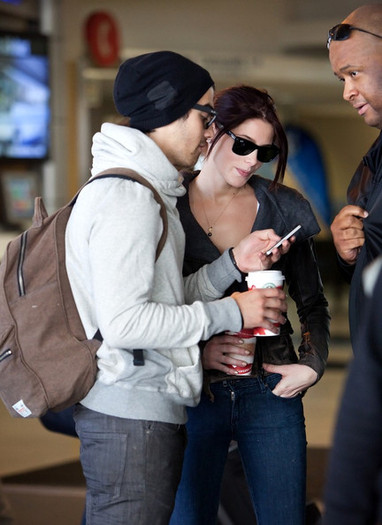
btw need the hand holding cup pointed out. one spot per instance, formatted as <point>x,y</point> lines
<point>262,307</point>
<point>271,279</point>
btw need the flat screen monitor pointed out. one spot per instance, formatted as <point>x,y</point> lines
<point>24,96</point>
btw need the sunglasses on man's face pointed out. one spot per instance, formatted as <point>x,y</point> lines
<point>210,111</point>
<point>244,147</point>
<point>342,32</point>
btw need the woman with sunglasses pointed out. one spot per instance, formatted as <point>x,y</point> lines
<point>262,412</point>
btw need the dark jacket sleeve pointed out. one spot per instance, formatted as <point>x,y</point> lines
<point>306,289</point>
<point>363,191</point>
<point>354,474</point>
<point>346,269</point>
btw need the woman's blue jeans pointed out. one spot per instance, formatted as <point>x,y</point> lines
<point>270,434</point>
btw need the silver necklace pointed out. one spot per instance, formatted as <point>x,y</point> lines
<point>213,224</point>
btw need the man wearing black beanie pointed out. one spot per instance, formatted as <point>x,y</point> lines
<point>131,423</point>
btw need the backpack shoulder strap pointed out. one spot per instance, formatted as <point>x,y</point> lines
<point>125,173</point>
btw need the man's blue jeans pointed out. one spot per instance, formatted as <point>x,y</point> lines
<point>270,433</point>
<point>132,468</point>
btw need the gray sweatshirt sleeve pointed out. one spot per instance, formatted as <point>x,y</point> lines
<point>212,280</point>
<point>224,313</point>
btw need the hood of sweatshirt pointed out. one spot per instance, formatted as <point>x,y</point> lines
<point>116,146</point>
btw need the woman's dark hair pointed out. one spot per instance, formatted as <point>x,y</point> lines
<point>236,104</point>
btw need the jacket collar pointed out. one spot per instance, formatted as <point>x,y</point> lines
<point>282,209</point>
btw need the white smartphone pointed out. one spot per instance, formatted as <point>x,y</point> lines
<point>279,243</point>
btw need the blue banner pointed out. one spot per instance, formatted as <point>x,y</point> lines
<point>306,164</point>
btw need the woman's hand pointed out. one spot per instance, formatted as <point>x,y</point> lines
<point>250,252</point>
<point>216,353</point>
<point>295,378</point>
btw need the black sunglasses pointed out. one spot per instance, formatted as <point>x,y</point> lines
<point>244,147</point>
<point>210,111</point>
<point>342,32</point>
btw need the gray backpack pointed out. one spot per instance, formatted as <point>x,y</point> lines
<point>46,360</point>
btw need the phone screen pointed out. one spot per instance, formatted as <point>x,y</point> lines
<point>279,243</point>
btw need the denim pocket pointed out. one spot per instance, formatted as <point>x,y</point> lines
<point>271,380</point>
<point>270,383</point>
<point>104,460</point>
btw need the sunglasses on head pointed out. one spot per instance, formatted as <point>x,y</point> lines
<point>210,111</point>
<point>244,147</point>
<point>342,32</point>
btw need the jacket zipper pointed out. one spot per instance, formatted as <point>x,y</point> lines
<point>20,263</point>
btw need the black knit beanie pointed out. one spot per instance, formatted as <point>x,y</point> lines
<point>157,88</point>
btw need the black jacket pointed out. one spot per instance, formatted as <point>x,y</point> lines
<point>353,492</point>
<point>281,209</point>
<point>365,190</point>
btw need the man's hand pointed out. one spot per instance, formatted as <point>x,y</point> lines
<point>250,252</point>
<point>261,306</point>
<point>348,234</point>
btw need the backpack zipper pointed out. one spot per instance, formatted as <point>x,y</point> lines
<point>5,354</point>
<point>20,262</point>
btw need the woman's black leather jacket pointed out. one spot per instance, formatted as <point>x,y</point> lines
<point>281,208</point>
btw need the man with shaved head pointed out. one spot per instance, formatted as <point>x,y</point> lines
<point>353,494</point>
<point>355,52</point>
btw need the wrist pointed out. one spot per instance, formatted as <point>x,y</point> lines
<point>234,261</point>
<point>235,296</point>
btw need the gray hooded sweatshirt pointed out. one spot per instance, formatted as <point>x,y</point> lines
<point>135,301</point>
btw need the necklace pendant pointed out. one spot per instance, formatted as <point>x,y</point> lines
<point>209,233</point>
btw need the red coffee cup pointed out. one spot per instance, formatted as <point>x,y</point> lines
<point>250,344</point>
